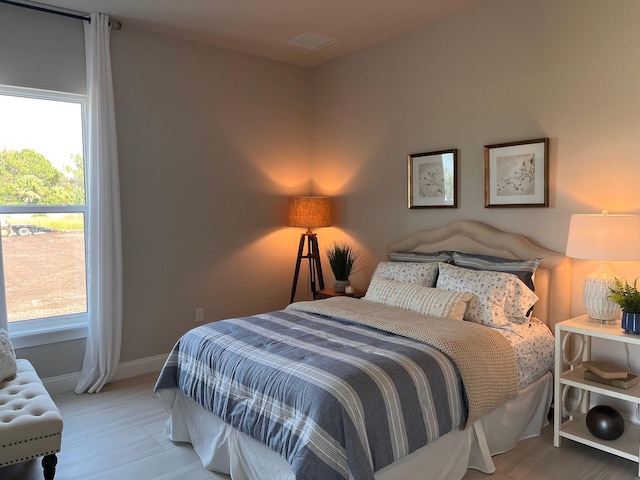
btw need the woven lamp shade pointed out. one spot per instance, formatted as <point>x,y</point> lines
<point>309,212</point>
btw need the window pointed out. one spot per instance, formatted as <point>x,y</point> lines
<point>43,215</point>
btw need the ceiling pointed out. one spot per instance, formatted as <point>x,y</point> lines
<point>262,27</point>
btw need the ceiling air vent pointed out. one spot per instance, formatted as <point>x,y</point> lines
<point>311,41</point>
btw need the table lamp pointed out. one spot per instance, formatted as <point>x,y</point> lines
<point>309,212</point>
<point>607,238</point>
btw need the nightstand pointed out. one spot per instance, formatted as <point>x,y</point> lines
<point>575,428</point>
<point>330,292</point>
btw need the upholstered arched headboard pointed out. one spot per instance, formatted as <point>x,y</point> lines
<point>552,278</point>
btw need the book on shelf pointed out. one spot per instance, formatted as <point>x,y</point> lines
<point>629,381</point>
<point>605,369</point>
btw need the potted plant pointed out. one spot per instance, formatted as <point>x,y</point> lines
<point>628,297</point>
<point>342,259</point>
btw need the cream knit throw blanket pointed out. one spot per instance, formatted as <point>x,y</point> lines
<point>484,357</point>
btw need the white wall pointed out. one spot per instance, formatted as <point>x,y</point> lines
<point>211,144</point>
<point>501,71</point>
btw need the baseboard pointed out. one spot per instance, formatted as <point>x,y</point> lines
<point>67,383</point>
<point>61,383</point>
<point>140,366</point>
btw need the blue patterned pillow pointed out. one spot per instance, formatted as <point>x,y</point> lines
<point>523,269</point>
<point>501,297</point>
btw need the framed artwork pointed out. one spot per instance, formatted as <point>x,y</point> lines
<point>432,179</point>
<point>517,174</point>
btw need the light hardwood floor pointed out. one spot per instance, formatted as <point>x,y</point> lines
<point>119,434</point>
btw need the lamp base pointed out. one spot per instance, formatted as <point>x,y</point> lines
<point>315,265</point>
<point>597,288</point>
<point>598,321</point>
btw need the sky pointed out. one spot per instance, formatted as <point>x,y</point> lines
<point>52,128</point>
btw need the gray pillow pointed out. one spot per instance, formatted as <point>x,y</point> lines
<point>523,269</point>
<point>421,257</point>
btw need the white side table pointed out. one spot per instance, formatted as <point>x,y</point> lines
<point>575,428</point>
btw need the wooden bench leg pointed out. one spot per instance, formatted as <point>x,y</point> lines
<point>49,463</point>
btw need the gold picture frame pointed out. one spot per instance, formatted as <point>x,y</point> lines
<point>516,174</point>
<point>433,179</point>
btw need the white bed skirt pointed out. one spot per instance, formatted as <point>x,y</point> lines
<point>223,449</point>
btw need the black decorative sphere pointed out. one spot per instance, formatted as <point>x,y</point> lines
<point>605,422</point>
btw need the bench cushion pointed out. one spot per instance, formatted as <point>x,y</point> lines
<point>30,422</point>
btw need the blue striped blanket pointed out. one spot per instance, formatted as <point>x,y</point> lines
<point>336,399</point>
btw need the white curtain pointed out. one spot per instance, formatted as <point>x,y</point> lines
<point>3,299</point>
<point>104,269</point>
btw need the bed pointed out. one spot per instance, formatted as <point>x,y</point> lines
<point>465,422</point>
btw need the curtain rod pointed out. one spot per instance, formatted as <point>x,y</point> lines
<point>115,24</point>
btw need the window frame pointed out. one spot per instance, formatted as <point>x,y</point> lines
<point>46,330</point>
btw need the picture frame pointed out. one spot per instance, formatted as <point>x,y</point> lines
<point>433,179</point>
<point>516,174</point>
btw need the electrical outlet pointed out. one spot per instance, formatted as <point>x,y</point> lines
<point>199,315</point>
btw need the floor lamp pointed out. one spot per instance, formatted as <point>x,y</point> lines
<point>309,212</point>
<point>607,238</point>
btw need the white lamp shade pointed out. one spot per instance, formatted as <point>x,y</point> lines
<point>604,237</point>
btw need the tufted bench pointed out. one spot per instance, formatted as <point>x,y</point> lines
<point>30,423</point>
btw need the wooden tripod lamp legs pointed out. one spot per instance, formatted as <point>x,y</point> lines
<point>315,265</point>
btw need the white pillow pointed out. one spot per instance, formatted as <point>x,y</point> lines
<point>415,272</point>
<point>8,366</point>
<point>418,298</point>
<point>501,297</point>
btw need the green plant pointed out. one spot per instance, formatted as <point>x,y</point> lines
<point>626,295</point>
<point>342,259</point>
